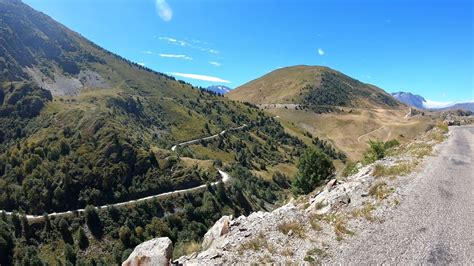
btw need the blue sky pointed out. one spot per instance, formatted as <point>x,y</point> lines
<point>425,47</point>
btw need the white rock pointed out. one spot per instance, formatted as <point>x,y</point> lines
<point>220,228</point>
<point>157,251</point>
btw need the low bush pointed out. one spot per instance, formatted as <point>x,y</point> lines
<point>295,227</point>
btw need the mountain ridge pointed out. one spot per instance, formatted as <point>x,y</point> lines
<point>220,89</point>
<point>420,102</point>
<point>410,99</point>
<point>312,86</point>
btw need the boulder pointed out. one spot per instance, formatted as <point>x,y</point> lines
<point>157,251</point>
<point>331,184</point>
<point>220,228</point>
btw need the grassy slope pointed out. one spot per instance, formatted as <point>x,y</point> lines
<point>344,129</point>
<point>312,85</point>
<point>372,108</point>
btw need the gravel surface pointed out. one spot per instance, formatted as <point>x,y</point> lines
<point>434,224</point>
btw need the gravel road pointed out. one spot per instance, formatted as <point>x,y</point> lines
<point>434,223</point>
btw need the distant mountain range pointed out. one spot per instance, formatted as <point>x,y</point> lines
<point>410,99</point>
<point>221,89</point>
<point>460,106</point>
<point>420,102</point>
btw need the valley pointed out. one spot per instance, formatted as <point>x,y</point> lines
<point>102,157</point>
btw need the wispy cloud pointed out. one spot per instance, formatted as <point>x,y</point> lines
<point>201,77</point>
<point>320,51</point>
<point>214,63</point>
<point>164,10</point>
<point>174,41</point>
<point>141,64</point>
<point>188,44</point>
<point>179,56</point>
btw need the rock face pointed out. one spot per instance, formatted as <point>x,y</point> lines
<point>219,229</point>
<point>157,251</point>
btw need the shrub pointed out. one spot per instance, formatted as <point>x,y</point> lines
<point>376,152</point>
<point>365,211</point>
<point>83,241</point>
<point>254,244</point>
<point>125,234</point>
<point>350,169</point>
<point>6,243</point>
<point>391,144</point>
<point>379,190</point>
<point>443,127</point>
<point>295,227</point>
<point>314,222</point>
<point>393,171</point>
<point>70,254</point>
<point>313,168</point>
<point>93,221</point>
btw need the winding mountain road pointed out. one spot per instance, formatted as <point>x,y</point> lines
<point>208,138</point>
<point>225,179</point>
<point>366,134</point>
<point>434,224</point>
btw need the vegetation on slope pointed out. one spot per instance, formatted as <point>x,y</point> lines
<point>314,87</point>
<point>81,126</point>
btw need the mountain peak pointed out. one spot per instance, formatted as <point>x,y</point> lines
<point>410,99</point>
<point>221,89</point>
<point>312,86</point>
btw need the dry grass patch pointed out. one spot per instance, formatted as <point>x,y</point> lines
<point>316,252</point>
<point>314,222</point>
<point>443,127</point>
<point>295,227</point>
<point>340,225</point>
<point>380,190</point>
<point>400,169</point>
<point>256,244</point>
<point>421,150</point>
<point>320,205</point>
<point>340,228</point>
<point>186,248</point>
<point>287,252</point>
<point>365,212</point>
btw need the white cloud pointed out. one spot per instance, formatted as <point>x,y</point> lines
<point>187,44</point>
<point>201,77</point>
<point>215,63</point>
<point>179,56</point>
<point>164,10</point>
<point>433,104</point>
<point>141,64</point>
<point>174,41</point>
<point>320,51</point>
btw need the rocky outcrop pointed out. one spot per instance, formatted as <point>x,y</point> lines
<point>219,229</point>
<point>154,252</point>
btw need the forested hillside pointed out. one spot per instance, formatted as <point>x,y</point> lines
<point>80,126</point>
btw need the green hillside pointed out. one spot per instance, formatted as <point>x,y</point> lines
<point>312,87</point>
<point>82,127</point>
